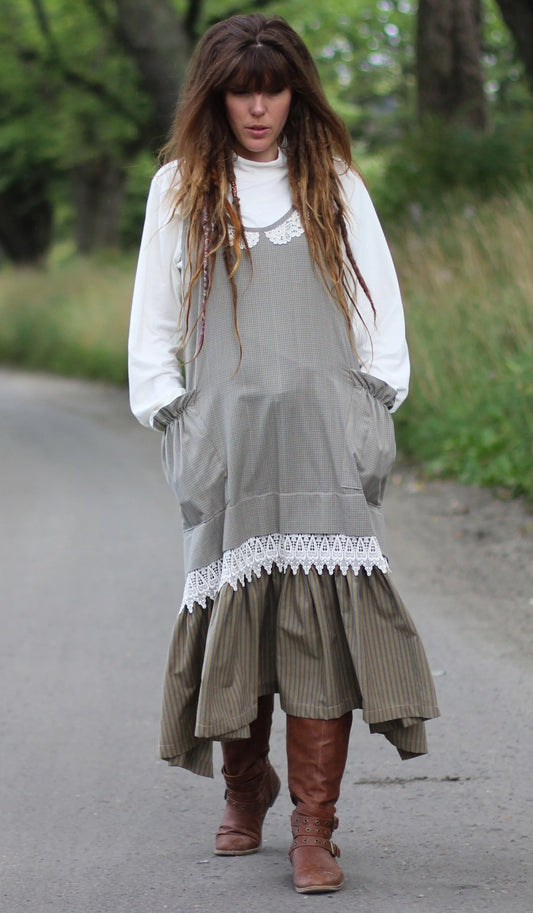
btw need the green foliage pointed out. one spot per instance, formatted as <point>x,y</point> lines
<point>437,159</point>
<point>70,319</point>
<point>70,93</point>
<point>139,174</point>
<point>505,83</point>
<point>365,56</point>
<point>74,93</point>
<point>467,286</point>
<point>26,141</point>
<point>486,442</point>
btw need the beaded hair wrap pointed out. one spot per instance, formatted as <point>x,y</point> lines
<point>233,186</point>
<point>205,270</point>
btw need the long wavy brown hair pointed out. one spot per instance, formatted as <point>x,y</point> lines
<point>260,54</point>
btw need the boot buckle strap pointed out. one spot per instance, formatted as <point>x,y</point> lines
<point>311,840</point>
<point>299,821</point>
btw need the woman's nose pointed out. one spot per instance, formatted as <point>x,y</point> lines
<point>258,103</point>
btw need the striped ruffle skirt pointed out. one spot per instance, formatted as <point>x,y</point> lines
<point>327,643</point>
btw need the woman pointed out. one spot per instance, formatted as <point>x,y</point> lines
<point>267,344</point>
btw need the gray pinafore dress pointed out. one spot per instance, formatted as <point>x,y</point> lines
<point>279,461</point>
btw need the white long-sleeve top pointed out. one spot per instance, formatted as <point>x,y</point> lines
<point>155,337</point>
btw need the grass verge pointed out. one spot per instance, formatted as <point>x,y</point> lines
<point>467,282</point>
<point>70,318</point>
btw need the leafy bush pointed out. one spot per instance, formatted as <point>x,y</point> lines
<point>440,159</point>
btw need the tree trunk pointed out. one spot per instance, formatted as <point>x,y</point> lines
<point>26,219</point>
<point>98,196</point>
<point>518,17</point>
<point>449,71</point>
<point>157,38</point>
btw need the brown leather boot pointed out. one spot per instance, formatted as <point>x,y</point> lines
<point>252,786</point>
<point>316,755</point>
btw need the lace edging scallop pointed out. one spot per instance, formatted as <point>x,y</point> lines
<point>287,552</point>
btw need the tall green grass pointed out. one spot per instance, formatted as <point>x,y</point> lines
<point>70,318</point>
<point>467,281</point>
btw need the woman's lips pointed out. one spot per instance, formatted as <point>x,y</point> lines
<point>257,131</point>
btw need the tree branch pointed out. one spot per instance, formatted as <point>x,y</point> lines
<point>192,17</point>
<point>99,9</point>
<point>73,76</point>
<point>43,21</point>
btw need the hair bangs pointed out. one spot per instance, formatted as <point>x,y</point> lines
<point>261,68</point>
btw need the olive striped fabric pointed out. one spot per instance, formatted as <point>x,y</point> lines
<point>327,643</point>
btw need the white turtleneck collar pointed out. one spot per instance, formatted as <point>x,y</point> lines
<point>263,189</point>
<point>250,165</point>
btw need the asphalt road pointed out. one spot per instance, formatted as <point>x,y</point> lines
<point>90,579</point>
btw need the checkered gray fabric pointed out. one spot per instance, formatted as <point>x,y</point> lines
<point>294,438</point>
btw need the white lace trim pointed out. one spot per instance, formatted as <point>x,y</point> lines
<point>281,234</point>
<point>291,228</point>
<point>251,236</point>
<point>287,552</point>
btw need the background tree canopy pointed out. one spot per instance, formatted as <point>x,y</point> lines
<point>87,90</point>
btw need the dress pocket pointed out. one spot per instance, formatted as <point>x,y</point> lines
<point>192,465</point>
<point>371,443</point>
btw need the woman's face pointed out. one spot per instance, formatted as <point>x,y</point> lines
<point>256,120</point>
